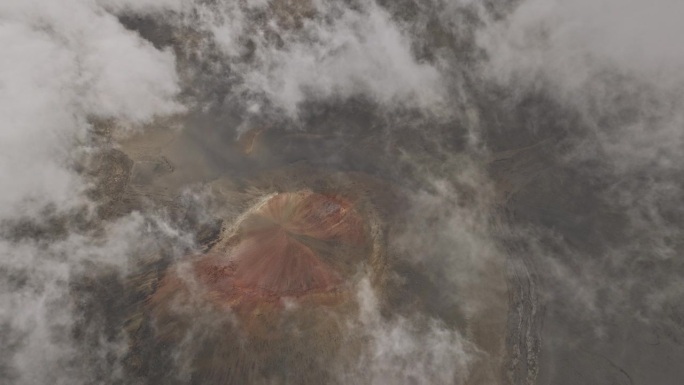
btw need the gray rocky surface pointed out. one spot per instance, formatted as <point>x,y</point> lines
<point>507,226</point>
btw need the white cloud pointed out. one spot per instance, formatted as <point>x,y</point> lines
<point>405,351</point>
<point>63,63</point>
<point>619,66</point>
<point>338,52</point>
<point>619,63</point>
<point>570,40</point>
<point>39,308</point>
<point>144,6</point>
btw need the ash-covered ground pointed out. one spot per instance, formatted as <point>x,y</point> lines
<point>488,192</point>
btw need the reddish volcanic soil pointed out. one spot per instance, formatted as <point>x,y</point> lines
<point>295,246</point>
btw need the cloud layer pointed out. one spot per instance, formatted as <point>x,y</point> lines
<point>63,66</point>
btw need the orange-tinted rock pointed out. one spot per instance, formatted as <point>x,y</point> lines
<point>295,247</point>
